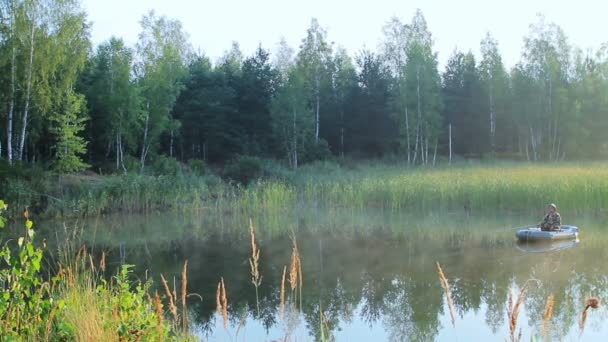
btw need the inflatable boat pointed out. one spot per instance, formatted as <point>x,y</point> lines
<point>566,232</point>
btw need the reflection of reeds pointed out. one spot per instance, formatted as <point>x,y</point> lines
<point>256,278</point>
<point>513,314</point>
<point>448,293</point>
<point>221,300</point>
<point>283,292</point>
<point>593,303</point>
<point>548,314</point>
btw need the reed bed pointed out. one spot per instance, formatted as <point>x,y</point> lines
<point>513,310</point>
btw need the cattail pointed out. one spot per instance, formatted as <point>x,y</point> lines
<point>172,306</point>
<point>159,315</point>
<point>221,300</point>
<point>593,303</point>
<point>102,263</point>
<point>184,294</point>
<point>283,292</point>
<point>448,293</point>
<point>548,314</point>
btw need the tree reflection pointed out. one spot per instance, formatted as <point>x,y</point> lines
<point>371,276</point>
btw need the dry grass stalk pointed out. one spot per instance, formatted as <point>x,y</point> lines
<point>294,267</point>
<point>295,271</point>
<point>102,263</point>
<point>513,314</point>
<point>256,278</point>
<point>548,314</point>
<point>448,293</point>
<point>172,306</point>
<point>159,315</point>
<point>221,300</point>
<point>184,294</point>
<point>49,323</point>
<point>283,292</point>
<point>592,303</point>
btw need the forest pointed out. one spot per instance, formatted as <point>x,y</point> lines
<point>69,106</point>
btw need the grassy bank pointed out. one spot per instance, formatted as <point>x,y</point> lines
<point>505,187</point>
<point>509,187</point>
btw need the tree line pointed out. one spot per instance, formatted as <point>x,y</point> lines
<point>70,106</point>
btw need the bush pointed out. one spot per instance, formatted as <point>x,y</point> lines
<point>243,169</point>
<point>165,166</point>
<point>197,166</point>
<point>316,151</point>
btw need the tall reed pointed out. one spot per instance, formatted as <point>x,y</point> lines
<point>547,315</point>
<point>295,272</point>
<point>221,300</point>
<point>448,292</point>
<point>513,314</point>
<point>256,278</point>
<point>592,303</point>
<point>283,293</point>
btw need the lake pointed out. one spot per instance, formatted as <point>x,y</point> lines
<point>368,275</point>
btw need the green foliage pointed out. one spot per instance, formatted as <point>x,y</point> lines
<point>33,308</point>
<point>163,165</point>
<point>198,166</point>
<point>69,122</point>
<point>27,307</point>
<point>133,312</point>
<point>243,169</point>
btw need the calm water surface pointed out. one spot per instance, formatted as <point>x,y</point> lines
<point>372,274</point>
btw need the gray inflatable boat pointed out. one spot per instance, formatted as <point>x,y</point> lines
<point>566,232</point>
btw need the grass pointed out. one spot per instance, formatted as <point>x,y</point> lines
<point>76,301</point>
<point>503,187</point>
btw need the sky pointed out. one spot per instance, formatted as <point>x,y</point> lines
<point>213,25</point>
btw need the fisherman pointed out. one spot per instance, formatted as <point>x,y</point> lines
<point>552,220</point>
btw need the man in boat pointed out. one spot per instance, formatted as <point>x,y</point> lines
<point>552,220</point>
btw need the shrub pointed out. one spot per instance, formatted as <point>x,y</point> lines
<point>166,166</point>
<point>197,166</point>
<point>243,169</point>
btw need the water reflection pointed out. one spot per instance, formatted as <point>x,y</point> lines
<point>372,274</point>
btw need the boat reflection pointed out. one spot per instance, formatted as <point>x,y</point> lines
<point>545,246</point>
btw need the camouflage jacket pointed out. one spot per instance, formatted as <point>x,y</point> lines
<point>552,220</point>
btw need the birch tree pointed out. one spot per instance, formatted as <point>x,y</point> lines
<point>422,88</point>
<point>394,47</point>
<point>113,101</point>
<point>494,80</point>
<point>313,59</point>
<point>546,58</point>
<point>162,52</point>
<point>290,112</point>
<point>344,85</point>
